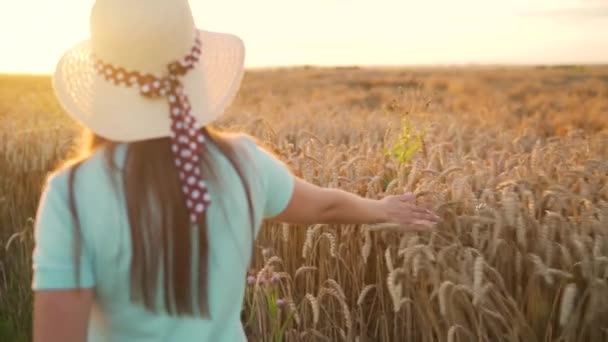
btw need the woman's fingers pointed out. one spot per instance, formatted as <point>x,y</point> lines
<point>405,211</point>
<point>423,216</point>
<point>419,226</point>
<point>424,223</point>
<point>423,213</point>
<point>407,197</point>
<point>417,209</point>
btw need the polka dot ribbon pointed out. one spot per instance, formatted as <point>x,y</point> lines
<point>187,140</point>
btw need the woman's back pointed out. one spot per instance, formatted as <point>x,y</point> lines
<point>107,251</point>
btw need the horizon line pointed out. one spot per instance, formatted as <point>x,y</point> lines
<point>381,66</point>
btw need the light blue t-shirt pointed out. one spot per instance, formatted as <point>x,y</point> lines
<point>106,246</point>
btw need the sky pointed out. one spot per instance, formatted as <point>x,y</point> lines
<point>34,33</point>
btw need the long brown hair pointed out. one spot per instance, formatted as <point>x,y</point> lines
<point>160,242</point>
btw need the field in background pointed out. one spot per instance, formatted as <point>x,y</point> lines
<point>515,160</point>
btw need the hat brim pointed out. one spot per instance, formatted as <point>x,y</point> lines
<point>120,113</point>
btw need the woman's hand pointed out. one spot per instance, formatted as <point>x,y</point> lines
<point>402,210</point>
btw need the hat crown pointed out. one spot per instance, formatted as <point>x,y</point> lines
<point>143,35</point>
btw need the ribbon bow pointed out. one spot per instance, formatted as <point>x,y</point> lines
<point>186,140</point>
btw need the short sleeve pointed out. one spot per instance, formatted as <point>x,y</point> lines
<point>53,256</point>
<point>278,181</point>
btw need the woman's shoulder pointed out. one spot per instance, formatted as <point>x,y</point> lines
<point>246,142</point>
<point>237,140</point>
<point>252,155</point>
<point>242,145</point>
<point>89,170</point>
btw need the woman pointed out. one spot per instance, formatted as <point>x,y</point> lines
<point>148,236</point>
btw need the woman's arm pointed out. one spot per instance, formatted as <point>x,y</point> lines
<point>62,302</point>
<point>312,204</point>
<point>62,315</point>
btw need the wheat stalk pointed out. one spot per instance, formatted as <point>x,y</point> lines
<point>567,303</point>
<point>367,245</point>
<point>388,260</point>
<point>478,278</point>
<point>303,269</point>
<point>396,290</point>
<point>285,229</point>
<point>331,238</point>
<point>364,293</point>
<point>314,305</point>
<point>337,294</point>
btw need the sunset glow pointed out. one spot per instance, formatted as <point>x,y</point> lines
<point>34,33</point>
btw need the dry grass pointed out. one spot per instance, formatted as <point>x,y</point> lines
<point>515,161</point>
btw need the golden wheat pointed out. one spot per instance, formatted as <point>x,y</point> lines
<point>514,161</point>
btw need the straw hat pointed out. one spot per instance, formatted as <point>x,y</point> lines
<point>144,37</point>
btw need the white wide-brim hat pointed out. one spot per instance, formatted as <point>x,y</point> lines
<point>146,36</point>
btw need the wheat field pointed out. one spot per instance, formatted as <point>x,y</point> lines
<point>515,160</point>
